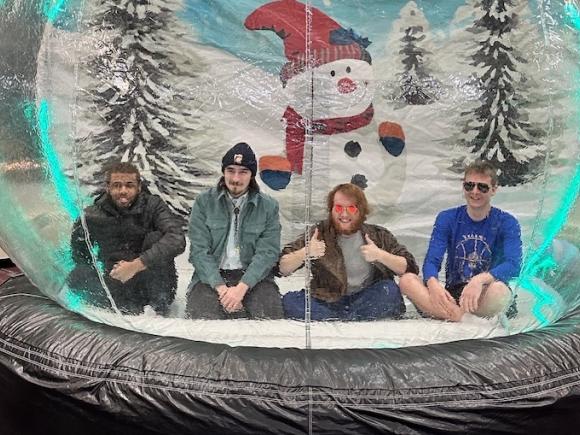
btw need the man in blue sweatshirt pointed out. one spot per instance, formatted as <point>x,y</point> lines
<point>484,252</point>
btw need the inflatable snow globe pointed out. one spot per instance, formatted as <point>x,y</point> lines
<point>155,150</point>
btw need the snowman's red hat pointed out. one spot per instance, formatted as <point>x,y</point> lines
<point>329,41</point>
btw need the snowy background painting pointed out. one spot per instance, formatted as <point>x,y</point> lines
<point>171,85</point>
<point>396,96</point>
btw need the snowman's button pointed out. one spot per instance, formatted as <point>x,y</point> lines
<point>360,181</point>
<point>352,148</point>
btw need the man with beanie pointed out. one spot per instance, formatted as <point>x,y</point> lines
<point>234,231</point>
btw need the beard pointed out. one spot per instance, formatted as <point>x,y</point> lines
<point>354,226</point>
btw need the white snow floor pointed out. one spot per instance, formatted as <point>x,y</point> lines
<point>413,330</point>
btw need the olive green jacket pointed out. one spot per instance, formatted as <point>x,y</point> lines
<point>209,226</point>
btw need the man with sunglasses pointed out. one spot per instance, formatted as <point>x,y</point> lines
<point>484,252</point>
<point>133,237</point>
<point>354,264</point>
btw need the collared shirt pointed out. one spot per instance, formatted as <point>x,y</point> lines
<point>259,236</point>
<point>231,258</point>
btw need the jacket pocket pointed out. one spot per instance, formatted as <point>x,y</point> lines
<point>251,234</point>
<point>218,230</point>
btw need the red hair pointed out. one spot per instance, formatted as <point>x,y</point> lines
<point>354,192</point>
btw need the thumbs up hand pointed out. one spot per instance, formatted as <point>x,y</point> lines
<point>317,246</point>
<point>370,252</point>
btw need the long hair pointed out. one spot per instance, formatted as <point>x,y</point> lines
<point>252,187</point>
<point>354,192</point>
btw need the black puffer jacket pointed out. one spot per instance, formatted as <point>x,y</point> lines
<point>148,229</point>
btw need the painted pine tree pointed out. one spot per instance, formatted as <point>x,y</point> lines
<point>409,44</point>
<point>497,129</point>
<point>140,106</point>
<point>416,84</point>
<point>549,78</point>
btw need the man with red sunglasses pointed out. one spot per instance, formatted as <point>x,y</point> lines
<point>484,252</point>
<point>354,264</point>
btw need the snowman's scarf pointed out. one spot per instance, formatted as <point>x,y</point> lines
<point>296,131</point>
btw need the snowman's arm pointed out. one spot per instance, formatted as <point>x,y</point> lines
<point>392,138</point>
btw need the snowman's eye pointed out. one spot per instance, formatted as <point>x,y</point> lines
<point>348,69</point>
<point>332,73</point>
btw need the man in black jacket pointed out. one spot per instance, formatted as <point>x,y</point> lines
<point>127,240</point>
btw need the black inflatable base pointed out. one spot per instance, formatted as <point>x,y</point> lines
<point>62,374</point>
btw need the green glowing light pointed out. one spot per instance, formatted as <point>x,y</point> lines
<point>556,222</point>
<point>96,250</point>
<point>543,299</point>
<point>52,9</point>
<point>59,180</point>
<point>73,301</point>
<point>2,3</point>
<point>541,260</point>
<point>573,14</point>
<point>64,255</point>
<point>60,183</point>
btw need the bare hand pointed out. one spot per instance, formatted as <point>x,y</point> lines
<point>125,270</point>
<point>317,247</point>
<point>232,298</point>
<point>221,290</point>
<point>371,252</point>
<point>469,299</point>
<point>441,298</point>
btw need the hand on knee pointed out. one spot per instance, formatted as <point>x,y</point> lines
<point>494,300</point>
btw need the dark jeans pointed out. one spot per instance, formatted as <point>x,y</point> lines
<point>153,286</point>
<point>260,302</point>
<point>378,301</point>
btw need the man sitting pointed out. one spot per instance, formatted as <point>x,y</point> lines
<point>484,251</point>
<point>133,237</point>
<point>234,231</point>
<point>354,264</point>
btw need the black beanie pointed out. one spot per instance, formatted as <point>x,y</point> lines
<point>242,155</point>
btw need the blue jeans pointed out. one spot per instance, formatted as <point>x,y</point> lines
<point>378,301</point>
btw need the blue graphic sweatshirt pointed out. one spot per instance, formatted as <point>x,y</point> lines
<point>491,245</point>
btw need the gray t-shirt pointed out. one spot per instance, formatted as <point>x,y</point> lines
<point>358,270</point>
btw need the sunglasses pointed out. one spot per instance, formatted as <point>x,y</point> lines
<point>470,185</point>
<point>351,209</point>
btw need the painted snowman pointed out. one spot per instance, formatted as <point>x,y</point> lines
<point>336,94</point>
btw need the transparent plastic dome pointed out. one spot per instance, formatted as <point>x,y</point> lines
<point>171,85</point>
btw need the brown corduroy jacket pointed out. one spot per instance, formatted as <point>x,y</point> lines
<point>329,280</point>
